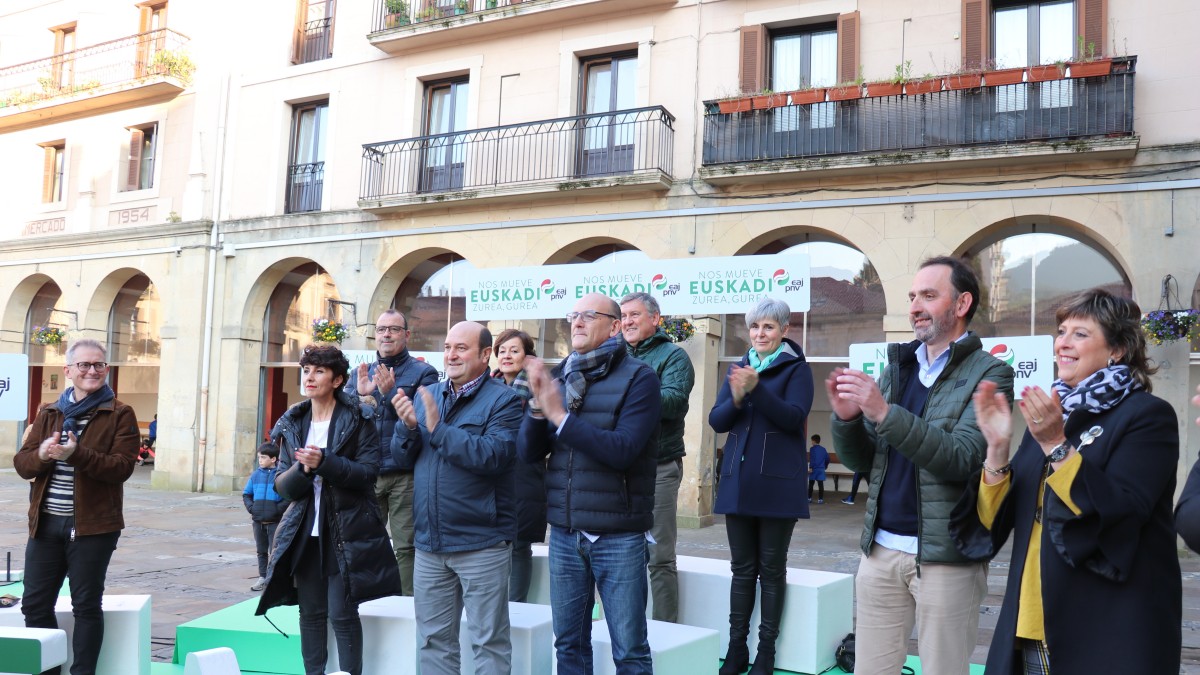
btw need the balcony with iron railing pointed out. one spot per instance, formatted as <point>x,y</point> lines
<point>1062,119</point>
<point>623,149</point>
<point>135,70</point>
<point>401,26</point>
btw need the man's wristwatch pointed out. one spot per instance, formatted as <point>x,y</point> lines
<point>1060,452</point>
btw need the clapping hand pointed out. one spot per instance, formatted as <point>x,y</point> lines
<point>309,458</point>
<point>853,392</point>
<point>742,380</point>
<point>547,396</point>
<point>52,450</point>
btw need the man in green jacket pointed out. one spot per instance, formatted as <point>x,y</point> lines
<point>647,342</point>
<point>915,435</point>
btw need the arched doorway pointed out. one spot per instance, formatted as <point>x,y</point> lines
<point>134,347</point>
<point>46,360</point>
<point>305,294</point>
<point>433,299</point>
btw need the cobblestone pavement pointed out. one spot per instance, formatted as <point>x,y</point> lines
<point>195,554</point>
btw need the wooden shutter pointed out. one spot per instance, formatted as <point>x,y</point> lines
<point>48,173</point>
<point>752,75</point>
<point>298,31</point>
<point>1093,17</point>
<point>975,21</point>
<point>134,175</point>
<point>848,46</point>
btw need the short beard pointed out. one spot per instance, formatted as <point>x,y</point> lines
<point>938,329</point>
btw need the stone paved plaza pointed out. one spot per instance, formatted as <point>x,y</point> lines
<point>194,554</point>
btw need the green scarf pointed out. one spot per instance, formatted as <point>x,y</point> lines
<point>760,365</point>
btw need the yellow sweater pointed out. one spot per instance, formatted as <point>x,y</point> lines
<point>1030,620</point>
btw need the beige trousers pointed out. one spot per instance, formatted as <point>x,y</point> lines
<point>943,603</point>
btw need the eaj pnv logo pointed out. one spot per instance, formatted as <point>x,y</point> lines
<point>547,286</point>
<point>780,277</point>
<point>659,282</point>
<point>1002,352</point>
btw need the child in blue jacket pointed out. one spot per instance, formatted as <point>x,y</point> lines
<point>265,505</point>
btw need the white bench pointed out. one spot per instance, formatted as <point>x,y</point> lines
<point>675,648</point>
<point>390,638</point>
<point>126,648</point>
<point>29,651</point>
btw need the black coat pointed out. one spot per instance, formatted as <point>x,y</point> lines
<point>1187,514</point>
<point>1111,585</point>
<point>349,511</point>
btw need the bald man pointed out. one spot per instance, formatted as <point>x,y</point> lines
<point>459,438</point>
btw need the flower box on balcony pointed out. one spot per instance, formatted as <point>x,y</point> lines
<point>808,96</point>
<point>964,81</point>
<point>884,88</point>
<point>846,93</point>
<point>996,78</point>
<point>1096,68</point>
<point>926,86</point>
<point>1046,73</point>
<point>767,101</point>
<point>734,105</point>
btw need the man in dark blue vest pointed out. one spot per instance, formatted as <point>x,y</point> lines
<point>596,416</point>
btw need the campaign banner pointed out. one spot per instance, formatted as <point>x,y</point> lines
<point>357,356</point>
<point>682,286</point>
<point>1031,358</point>
<point>14,387</point>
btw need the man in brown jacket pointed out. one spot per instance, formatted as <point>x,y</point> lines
<point>80,453</point>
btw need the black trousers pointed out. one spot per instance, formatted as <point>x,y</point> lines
<point>758,555</point>
<point>322,601</point>
<point>52,555</point>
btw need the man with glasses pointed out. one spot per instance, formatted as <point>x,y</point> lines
<point>375,385</point>
<point>82,450</point>
<point>596,417</point>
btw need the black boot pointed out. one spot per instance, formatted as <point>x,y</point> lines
<point>768,627</point>
<point>741,606</point>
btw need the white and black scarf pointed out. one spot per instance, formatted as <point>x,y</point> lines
<point>580,369</point>
<point>1101,391</point>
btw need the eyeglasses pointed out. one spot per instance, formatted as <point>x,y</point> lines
<point>394,330</point>
<point>588,316</point>
<point>85,366</point>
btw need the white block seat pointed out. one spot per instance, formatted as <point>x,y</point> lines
<point>219,661</point>
<point>29,651</point>
<point>126,648</point>
<point>675,648</point>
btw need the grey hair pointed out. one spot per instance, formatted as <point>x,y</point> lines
<point>646,299</point>
<point>84,342</point>
<point>769,308</point>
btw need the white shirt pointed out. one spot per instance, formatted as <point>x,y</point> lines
<point>318,435</point>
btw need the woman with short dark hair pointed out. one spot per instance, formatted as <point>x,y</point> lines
<point>763,407</point>
<point>331,551</point>
<point>1094,585</point>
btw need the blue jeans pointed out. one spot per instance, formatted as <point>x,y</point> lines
<point>615,564</point>
<point>50,556</point>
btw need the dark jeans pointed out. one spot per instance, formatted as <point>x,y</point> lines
<point>323,599</point>
<point>758,550</point>
<point>820,489</point>
<point>521,572</point>
<point>854,485</point>
<point>264,534</point>
<point>50,557</point>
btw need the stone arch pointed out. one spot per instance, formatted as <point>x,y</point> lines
<point>396,273</point>
<point>12,321</point>
<point>95,316</point>
<point>1044,224</point>
<point>254,307</point>
<point>587,248</point>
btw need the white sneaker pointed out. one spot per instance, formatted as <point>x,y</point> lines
<point>259,585</point>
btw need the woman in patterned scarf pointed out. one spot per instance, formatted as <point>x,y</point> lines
<point>512,346</point>
<point>1094,583</point>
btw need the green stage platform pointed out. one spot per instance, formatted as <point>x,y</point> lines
<point>259,647</point>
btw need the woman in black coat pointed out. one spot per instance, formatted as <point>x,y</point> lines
<point>763,406</point>
<point>512,347</point>
<point>1187,514</point>
<point>331,551</point>
<point>1094,584</point>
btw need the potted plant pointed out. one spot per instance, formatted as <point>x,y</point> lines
<point>807,96</point>
<point>430,13</point>
<point>1088,63</point>
<point>678,329</point>
<point>174,64</point>
<point>893,86</point>
<point>996,77</point>
<point>733,103</point>
<point>767,99</point>
<point>926,84</point>
<point>461,7</point>
<point>47,335</point>
<point>325,330</point>
<point>396,13</point>
<point>1168,325</point>
<point>492,4</point>
<point>1047,72</point>
<point>964,78</point>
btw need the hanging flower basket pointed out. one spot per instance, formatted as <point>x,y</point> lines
<point>1163,326</point>
<point>678,329</point>
<point>324,330</point>
<point>47,335</point>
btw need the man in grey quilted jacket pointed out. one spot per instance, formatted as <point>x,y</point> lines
<point>914,433</point>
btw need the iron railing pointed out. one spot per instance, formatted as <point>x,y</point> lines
<point>96,68</point>
<point>317,40</point>
<point>395,13</point>
<point>1031,111</point>
<point>568,148</point>
<point>305,184</point>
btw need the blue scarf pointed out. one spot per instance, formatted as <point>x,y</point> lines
<point>73,411</point>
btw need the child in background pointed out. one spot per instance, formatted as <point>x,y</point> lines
<point>265,507</point>
<point>818,461</point>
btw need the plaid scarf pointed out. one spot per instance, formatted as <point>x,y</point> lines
<point>579,369</point>
<point>1101,391</point>
<point>520,384</point>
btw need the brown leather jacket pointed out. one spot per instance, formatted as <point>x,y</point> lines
<point>103,462</point>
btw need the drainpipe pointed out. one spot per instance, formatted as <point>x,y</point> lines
<point>210,290</point>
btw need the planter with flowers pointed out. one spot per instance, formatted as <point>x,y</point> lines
<point>678,329</point>
<point>1163,326</point>
<point>808,96</point>
<point>324,330</point>
<point>47,335</point>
